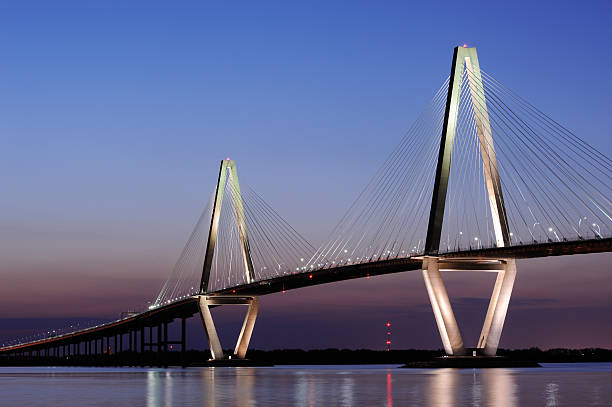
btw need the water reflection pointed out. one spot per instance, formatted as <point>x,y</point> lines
<point>500,387</point>
<point>168,388</point>
<point>305,393</point>
<point>245,378</point>
<point>220,386</point>
<point>389,391</point>
<point>338,386</point>
<point>476,390</point>
<point>153,389</point>
<point>551,394</point>
<point>301,391</point>
<point>441,387</point>
<point>346,391</point>
<point>209,387</point>
<point>485,387</point>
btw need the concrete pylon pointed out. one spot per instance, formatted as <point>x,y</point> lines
<point>227,168</point>
<point>466,59</point>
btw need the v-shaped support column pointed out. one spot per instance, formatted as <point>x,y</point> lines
<point>242,345</point>
<point>443,311</point>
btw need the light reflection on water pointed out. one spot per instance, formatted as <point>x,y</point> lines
<point>307,386</point>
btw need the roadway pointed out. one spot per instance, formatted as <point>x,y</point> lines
<point>184,308</point>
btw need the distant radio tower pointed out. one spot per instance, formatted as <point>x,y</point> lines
<point>388,336</point>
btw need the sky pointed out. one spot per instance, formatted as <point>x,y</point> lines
<point>114,116</point>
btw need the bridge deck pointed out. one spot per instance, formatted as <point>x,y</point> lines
<point>189,306</point>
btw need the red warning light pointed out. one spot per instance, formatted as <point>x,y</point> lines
<point>388,342</point>
<point>234,291</point>
<point>310,276</point>
<point>388,323</point>
<point>170,347</point>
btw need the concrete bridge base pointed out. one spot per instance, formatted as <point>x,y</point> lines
<point>205,303</point>
<point>443,311</point>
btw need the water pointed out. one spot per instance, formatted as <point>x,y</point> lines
<point>580,384</point>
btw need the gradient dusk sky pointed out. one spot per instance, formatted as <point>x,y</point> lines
<point>114,116</point>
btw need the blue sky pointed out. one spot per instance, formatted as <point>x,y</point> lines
<point>114,116</point>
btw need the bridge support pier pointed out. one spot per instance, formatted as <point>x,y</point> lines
<point>443,311</point>
<point>205,303</point>
<point>498,308</point>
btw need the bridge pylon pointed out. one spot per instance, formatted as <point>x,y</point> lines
<point>467,59</point>
<point>227,169</point>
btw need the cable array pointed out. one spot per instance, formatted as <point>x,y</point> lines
<point>275,248</point>
<point>389,218</point>
<point>187,271</point>
<point>555,186</point>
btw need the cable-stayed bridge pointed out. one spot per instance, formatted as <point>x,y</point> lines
<point>480,179</point>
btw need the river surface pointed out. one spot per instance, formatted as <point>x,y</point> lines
<point>578,384</point>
